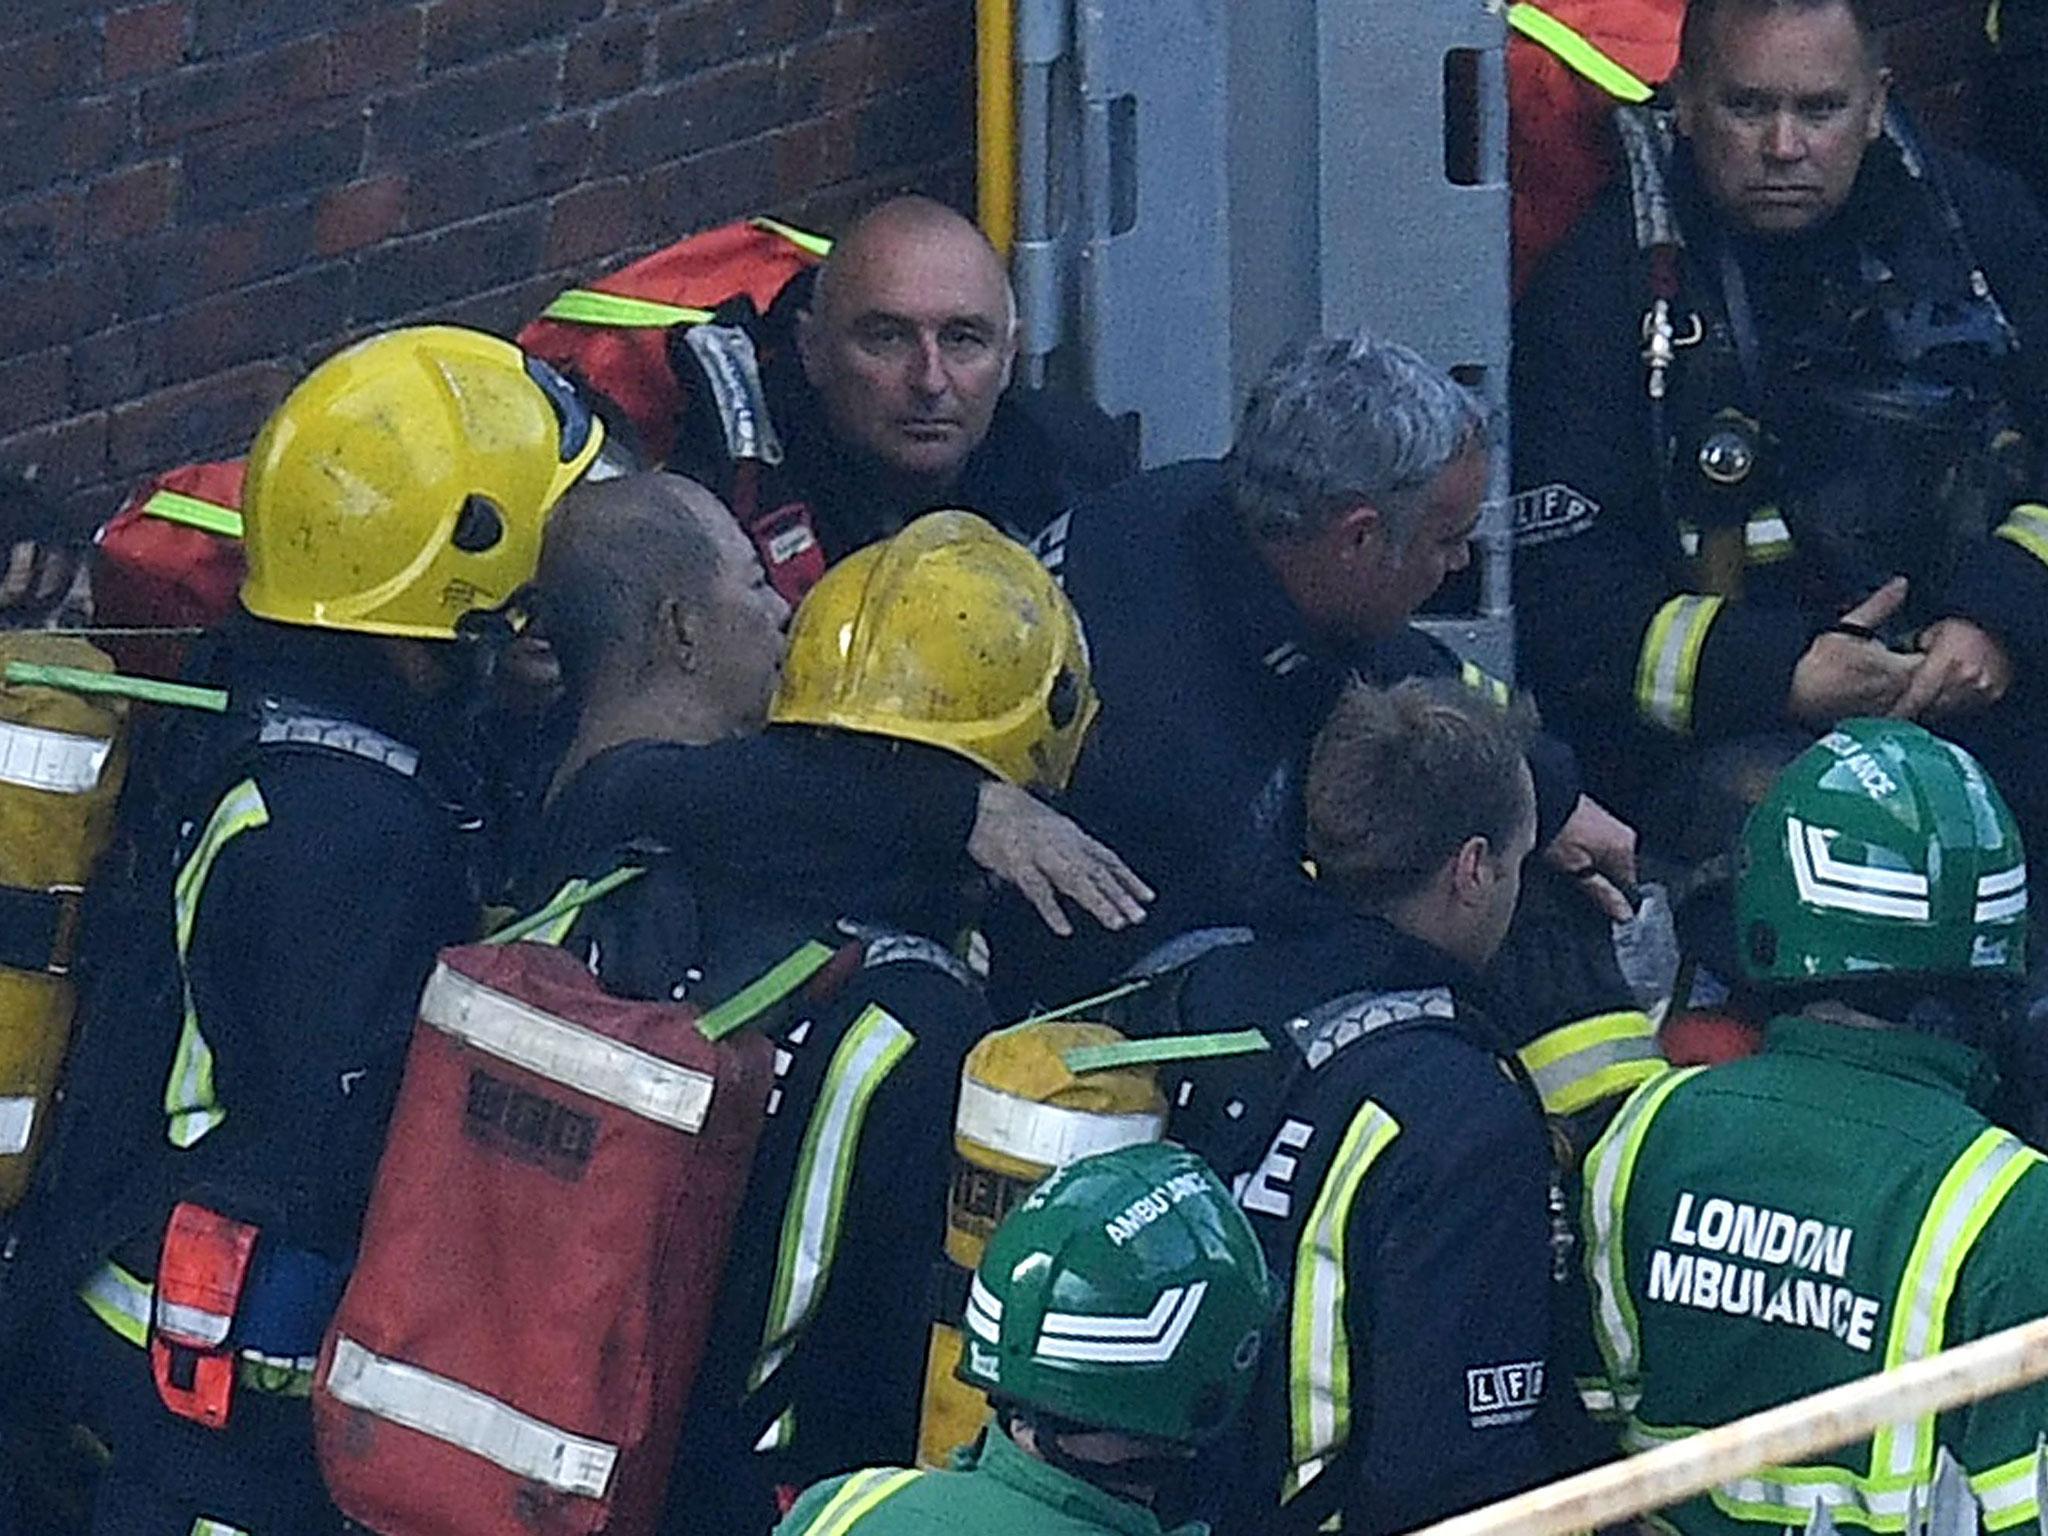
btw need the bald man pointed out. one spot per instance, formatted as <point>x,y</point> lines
<point>883,389</point>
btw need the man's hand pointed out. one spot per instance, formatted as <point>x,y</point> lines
<point>1026,843</point>
<point>1853,674</point>
<point>1962,670</point>
<point>1598,849</point>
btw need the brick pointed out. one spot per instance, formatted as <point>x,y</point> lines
<point>359,214</point>
<point>136,200</point>
<point>208,418</point>
<point>597,221</point>
<point>406,276</point>
<point>501,311</point>
<point>536,160</point>
<point>117,364</point>
<point>62,456</point>
<point>379,54</point>
<point>224,178</point>
<point>850,12</point>
<point>934,40</point>
<point>815,154</point>
<point>900,129</point>
<point>826,75</point>
<point>258,322</point>
<point>60,139</point>
<point>34,389</point>
<point>230,26</point>
<point>605,60</point>
<point>173,270</point>
<point>461,31</point>
<point>257,85</point>
<point>48,308</point>
<point>145,40</point>
<point>710,188</point>
<point>54,64</point>
<point>455,108</point>
<point>37,232</point>
<point>697,37</point>
<point>691,115</point>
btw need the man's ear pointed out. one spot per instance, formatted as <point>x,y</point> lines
<point>1879,97</point>
<point>1472,870</point>
<point>1358,532</point>
<point>677,633</point>
<point>809,344</point>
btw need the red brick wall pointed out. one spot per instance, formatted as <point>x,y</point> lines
<point>200,198</point>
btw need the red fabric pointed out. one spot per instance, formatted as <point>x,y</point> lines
<point>1561,150</point>
<point>1694,1039</point>
<point>148,572</point>
<point>555,1252</point>
<point>205,1259</point>
<point>630,365</point>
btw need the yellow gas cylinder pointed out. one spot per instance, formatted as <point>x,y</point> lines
<point>62,757</point>
<point>1023,1113</point>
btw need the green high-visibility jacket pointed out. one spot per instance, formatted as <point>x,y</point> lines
<point>1829,1208</point>
<point>999,1491</point>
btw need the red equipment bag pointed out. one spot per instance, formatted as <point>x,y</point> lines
<point>541,1255</point>
<point>613,335</point>
<point>170,558</point>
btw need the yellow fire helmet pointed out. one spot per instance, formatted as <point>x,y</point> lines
<point>949,634</point>
<point>405,481</point>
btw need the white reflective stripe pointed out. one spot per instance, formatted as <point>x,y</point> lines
<point>872,1047</point>
<point>566,1053</point>
<point>2002,896</point>
<point>2010,1493</point>
<point>1825,881</point>
<point>2002,910</point>
<point>204,1328</point>
<point>1045,1134</point>
<point>1148,1340</point>
<point>1669,663</point>
<point>1780,1496</point>
<point>1765,532</point>
<point>17,1124</point>
<point>2014,879</point>
<point>1610,1167</point>
<point>119,1300</point>
<point>205,1527</point>
<point>56,761</point>
<point>1319,1344</point>
<point>469,1420</point>
<point>1971,1190</point>
<point>984,1313</point>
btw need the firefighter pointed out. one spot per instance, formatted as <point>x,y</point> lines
<point>884,381</point>
<point>1391,1156</point>
<point>1779,431</point>
<point>933,681</point>
<point>1227,604</point>
<point>1839,1204</point>
<point>229,1099</point>
<point>1141,1247</point>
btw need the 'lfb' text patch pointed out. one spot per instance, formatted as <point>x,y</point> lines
<point>1546,513</point>
<point>1503,1394</point>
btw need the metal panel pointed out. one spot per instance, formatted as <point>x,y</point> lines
<point>1410,254</point>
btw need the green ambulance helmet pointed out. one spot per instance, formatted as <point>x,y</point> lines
<point>1881,850</point>
<point>1126,1292</point>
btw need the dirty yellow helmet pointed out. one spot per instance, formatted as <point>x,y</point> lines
<point>404,483</point>
<point>949,634</point>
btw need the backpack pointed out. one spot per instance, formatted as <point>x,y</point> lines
<point>171,558</point>
<point>614,336</point>
<point>544,1245</point>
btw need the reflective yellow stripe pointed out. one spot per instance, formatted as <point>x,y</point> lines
<point>857,1498</point>
<point>1579,1064</point>
<point>2027,526</point>
<point>205,1527</point>
<point>1610,1168</point>
<point>803,239</point>
<point>587,306</point>
<point>1479,680</point>
<point>870,1051</point>
<point>193,512</point>
<point>1669,665</point>
<point>189,1099</point>
<point>1545,30</point>
<point>2010,1493</point>
<point>1319,1359</point>
<point>119,1300</point>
